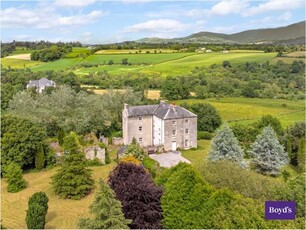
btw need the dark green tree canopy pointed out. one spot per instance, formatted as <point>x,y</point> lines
<point>209,118</point>
<point>175,89</point>
<point>20,140</point>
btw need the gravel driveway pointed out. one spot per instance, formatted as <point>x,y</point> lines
<point>169,159</point>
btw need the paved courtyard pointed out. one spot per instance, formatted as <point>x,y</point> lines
<point>169,159</point>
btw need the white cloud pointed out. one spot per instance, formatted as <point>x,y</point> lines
<point>229,7</point>
<point>197,13</point>
<point>73,3</point>
<point>44,18</point>
<point>160,26</point>
<point>81,19</point>
<point>273,5</point>
<point>285,17</point>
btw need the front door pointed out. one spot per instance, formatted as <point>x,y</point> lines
<point>173,145</point>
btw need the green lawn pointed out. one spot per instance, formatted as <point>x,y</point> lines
<point>248,110</point>
<point>61,214</point>
<point>197,156</point>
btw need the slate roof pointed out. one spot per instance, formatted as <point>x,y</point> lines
<point>163,111</point>
<point>41,83</point>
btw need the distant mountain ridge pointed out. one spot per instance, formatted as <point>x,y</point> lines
<point>294,31</point>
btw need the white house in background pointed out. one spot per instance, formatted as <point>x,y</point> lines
<point>164,125</point>
<point>41,84</point>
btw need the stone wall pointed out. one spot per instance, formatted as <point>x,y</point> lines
<point>117,141</point>
<point>95,152</point>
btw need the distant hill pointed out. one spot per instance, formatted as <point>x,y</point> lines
<point>292,32</point>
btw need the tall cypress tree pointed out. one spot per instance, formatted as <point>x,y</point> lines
<point>61,136</point>
<point>268,154</point>
<point>73,180</point>
<point>40,158</point>
<point>14,178</point>
<point>107,211</point>
<point>225,146</point>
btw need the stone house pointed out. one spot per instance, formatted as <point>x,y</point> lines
<point>41,84</point>
<point>165,125</point>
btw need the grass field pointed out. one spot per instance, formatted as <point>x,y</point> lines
<point>165,63</point>
<point>134,51</point>
<point>248,110</point>
<point>61,214</point>
<point>77,52</point>
<point>18,63</point>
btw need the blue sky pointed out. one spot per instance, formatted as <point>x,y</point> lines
<point>105,21</point>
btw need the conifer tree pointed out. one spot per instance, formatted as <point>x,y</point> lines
<point>61,136</point>
<point>14,178</point>
<point>301,156</point>
<point>225,146</point>
<point>40,158</point>
<point>37,211</point>
<point>73,180</point>
<point>107,211</point>
<point>268,154</point>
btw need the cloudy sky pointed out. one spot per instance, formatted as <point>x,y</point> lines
<point>106,21</point>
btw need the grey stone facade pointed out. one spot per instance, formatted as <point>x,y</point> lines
<point>167,126</point>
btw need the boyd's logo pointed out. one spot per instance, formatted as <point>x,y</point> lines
<point>280,210</point>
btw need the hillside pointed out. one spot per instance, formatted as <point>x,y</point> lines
<point>286,33</point>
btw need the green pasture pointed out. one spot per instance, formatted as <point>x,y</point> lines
<point>134,51</point>
<point>164,63</point>
<point>18,63</point>
<point>61,64</point>
<point>186,64</point>
<point>248,110</point>
<point>137,58</point>
<point>78,52</point>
